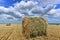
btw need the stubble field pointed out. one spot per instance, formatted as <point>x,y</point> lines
<point>14,32</point>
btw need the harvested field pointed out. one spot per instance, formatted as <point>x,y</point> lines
<point>53,33</point>
<point>14,32</point>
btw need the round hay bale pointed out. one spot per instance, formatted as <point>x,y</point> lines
<point>34,26</point>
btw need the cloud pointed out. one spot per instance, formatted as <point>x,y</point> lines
<point>52,20</point>
<point>16,12</point>
<point>55,12</point>
<point>46,2</point>
<point>25,7</point>
<point>53,16</point>
<point>5,16</point>
<point>29,8</point>
<point>40,11</point>
<point>6,12</point>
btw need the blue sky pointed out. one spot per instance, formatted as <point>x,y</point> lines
<point>7,3</point>
<point>58,6</point>
<point>12,11</point>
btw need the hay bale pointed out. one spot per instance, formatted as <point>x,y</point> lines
<point>9,24</point>
<point>34,26</point>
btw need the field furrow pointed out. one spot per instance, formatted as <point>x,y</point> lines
<point>6,36</point>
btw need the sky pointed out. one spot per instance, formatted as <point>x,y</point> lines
<point>12,11</point>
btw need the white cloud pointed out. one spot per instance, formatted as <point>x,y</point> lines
<point>52,20</point>
<point>46,2</point>
<point>19,10</point>
<point>55,12</point>
<point>5,16</point>
<point>54,16</point>
<point>26,9</point>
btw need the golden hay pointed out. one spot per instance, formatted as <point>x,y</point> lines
<point>34,26</point>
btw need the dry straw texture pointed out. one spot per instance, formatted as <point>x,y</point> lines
<point>34,26</point>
